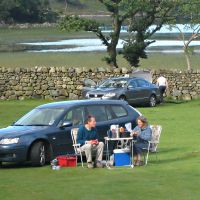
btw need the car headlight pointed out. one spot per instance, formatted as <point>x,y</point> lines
<point>9,141</point>
<point>109,95</point>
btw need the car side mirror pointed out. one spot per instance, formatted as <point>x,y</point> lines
<point>66,124</point>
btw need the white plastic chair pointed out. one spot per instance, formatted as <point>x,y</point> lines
<point>77,147</point>
<point>153,143</point>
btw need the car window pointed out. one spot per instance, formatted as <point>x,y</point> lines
<point>99,111</point>
<point>119,111</point>
<point>44,116</point>
<point>75,115</point>
<point>142,83</point>
<point>109,114</point>
<point>133,83</point>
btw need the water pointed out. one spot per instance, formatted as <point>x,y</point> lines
<point>89,45</point>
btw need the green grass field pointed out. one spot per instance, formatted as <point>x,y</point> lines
<point>174,176</point>
<point>91,60</point>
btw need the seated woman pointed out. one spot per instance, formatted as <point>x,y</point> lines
<point>142,133</point>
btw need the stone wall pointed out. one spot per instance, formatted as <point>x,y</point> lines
<point>67,83</point>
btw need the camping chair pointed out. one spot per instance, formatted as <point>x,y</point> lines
<point>77,147</point>
<point>153,143</point>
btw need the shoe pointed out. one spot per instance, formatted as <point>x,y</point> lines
<point>99,164</point>
<point>139,163</point>
<point>90,165</point>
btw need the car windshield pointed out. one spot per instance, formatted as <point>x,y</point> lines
<point>40,117</point>
<point>114,83</point>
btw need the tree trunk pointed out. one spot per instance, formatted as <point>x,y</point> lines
<point>188,61</point>
<point>111,49</point>
<point>66,5</point>
<point>187,56</point>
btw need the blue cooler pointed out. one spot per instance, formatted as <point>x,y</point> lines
<point>122,157</point>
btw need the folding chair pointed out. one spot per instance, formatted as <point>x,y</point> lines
<point>77,147</point>
<point>153,143</point>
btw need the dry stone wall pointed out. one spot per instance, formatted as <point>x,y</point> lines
<point>67,83</point>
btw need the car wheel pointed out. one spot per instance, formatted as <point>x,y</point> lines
<point>38,154</point>
<point>122,97</point>
<point>152,101</point>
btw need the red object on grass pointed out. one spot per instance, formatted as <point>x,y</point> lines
<point>67,161</point>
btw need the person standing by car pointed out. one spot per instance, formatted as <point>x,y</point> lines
<point>88,138</point>
<point>163,85</point>
<point>142,134</point>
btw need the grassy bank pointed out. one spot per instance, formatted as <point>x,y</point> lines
<point>174,176</point>
<point>91,60</point>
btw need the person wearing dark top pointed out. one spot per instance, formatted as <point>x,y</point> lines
<point>142,134</point>
<point>89,140</point>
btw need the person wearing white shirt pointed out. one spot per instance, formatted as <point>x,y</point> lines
<point>163,85</point>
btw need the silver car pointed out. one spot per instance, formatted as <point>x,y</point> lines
<point>136,91</point>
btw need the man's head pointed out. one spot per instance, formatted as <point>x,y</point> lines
<point>90,121</point>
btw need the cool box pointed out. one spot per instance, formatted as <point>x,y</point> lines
<point>122,157</point>
<point>67,161</point>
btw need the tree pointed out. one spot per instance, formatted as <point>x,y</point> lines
<point>25,11</point>
<point>5,8</point>
<point>141,14</point>
<point>190,10</point>
<point>150,13</point>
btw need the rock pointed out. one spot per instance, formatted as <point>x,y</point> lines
<point>176,93</point>
<point>124,70</point>
<point>54,93</point>
<point>52,70</point>
<point>101,69</point>
<point>73,96</point>
<point>78,70</point>
<point>186,97</point>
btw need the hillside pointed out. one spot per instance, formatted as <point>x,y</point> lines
<point>79,7</point>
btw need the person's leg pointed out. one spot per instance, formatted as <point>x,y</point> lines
<point>138,149</point>
<point>135,154</point>
<point>99,151</point>
<point>162,90</point>
<point>87,148</point>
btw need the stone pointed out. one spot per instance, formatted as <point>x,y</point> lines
<point>64,69</point>
<point>186,97</point>
<point>78,70</point>
<point>117,70</point>
<point>125,70</point>
<point>73,96</point>
<point>176,93</point>
<point>53,93</point>
<point>101,69</point>
<point>52,70</point>
<point>63,92</point>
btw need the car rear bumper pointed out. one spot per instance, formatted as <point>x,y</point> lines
<point>12,153</point>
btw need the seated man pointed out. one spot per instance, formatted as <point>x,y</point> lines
<point>88,138</point>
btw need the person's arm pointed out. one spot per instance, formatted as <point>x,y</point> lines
<point>146,134</point>
<point>80,139</point>
<point>135,132</point>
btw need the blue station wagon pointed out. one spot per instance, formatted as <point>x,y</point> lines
<point>44,132</point>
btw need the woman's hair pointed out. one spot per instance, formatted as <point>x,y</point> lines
<point>89,118</point>
<point>143,120</point>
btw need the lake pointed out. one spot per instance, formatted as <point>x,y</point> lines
<point>89,45</point>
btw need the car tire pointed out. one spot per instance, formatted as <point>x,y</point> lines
<point>122,97</point>
<point>152,101</point>
<point>38,154</point>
